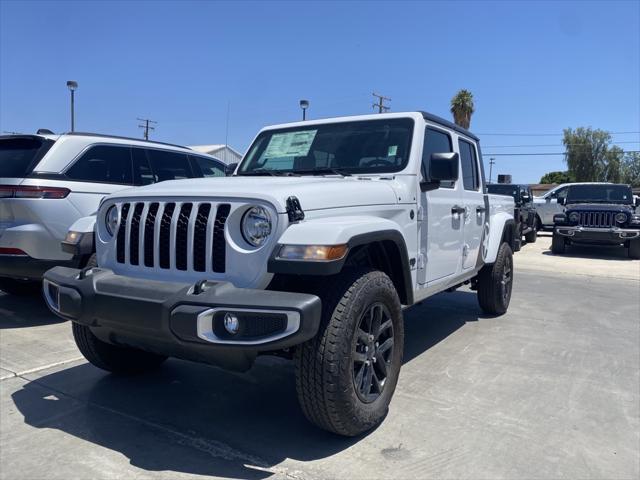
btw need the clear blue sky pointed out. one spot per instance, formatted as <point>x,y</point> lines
<point>534,67</point>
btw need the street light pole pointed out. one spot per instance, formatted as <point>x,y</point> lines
<point>304,104</point>
<point>72,85</point>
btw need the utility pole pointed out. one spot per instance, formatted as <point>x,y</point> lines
<point>146,126</point>
<point>491,162</point>
<point>380,105</point>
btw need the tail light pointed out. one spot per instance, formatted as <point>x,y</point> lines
<point>11,251</point>
<point>10,191</point>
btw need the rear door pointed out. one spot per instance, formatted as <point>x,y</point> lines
<point>473,199</point>
<point>441,212</point>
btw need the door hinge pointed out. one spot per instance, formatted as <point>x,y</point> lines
<point>422,261</point>
<point>420,214</point>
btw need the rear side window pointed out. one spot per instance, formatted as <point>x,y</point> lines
<point>169,165</point>
<point>435,141</point>
<point>469,165</point>
<point>103,164</point>
<point>19,156</point>
<point>209,167</point>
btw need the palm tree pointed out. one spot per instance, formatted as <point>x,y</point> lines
<point>462,108</point>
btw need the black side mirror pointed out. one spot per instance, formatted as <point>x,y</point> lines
<point>442,167</point>
<point>637,202</point>
<point>229,169</point>
<point>562,200</point>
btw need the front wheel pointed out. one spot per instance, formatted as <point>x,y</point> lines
<point>347,374</point>
<point>558,244</point>
<point>495,283</point>
<point>634,249</point>
<point>532,236</point>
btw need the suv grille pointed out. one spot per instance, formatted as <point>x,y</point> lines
<point>597,219</point>
<point>173,235</point>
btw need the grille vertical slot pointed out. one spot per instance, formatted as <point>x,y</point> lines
<point>134,235</point>
<point>200,238</point>
<point>181,236</point>
<point>165,235</point>
<point>219,251</point>
<point>122,231</point>
<point>149,226</point>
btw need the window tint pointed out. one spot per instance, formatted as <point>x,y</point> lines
<point>209,167</point>
<point>562,193</point>
<point>169,165</point>
<point>142,173</point>
<point>435,141</point>
<point>469,165</point>
<point>18,156</point>
<point>103,163</point>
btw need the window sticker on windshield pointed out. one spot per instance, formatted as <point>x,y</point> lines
<point>393,150</point>
<point>291,144</point>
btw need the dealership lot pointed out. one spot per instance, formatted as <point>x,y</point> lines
<point>550,390</point>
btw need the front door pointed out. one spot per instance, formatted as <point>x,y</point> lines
<point>474,205</point>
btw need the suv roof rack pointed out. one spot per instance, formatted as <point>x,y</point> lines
<point>102,135</point>
<point>446,123</point>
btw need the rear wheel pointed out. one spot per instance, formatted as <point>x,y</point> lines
<point>347,374</point>
<point>495,283</point>
<point>113,358</point>
<point>634,249</point>
<point>532,236</point>
<point>517,240</point>
<point>19,287</point>
<point>558,244</point>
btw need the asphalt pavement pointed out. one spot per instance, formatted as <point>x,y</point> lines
<point>549,390</point>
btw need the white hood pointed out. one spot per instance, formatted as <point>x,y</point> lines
<point>313,192</point>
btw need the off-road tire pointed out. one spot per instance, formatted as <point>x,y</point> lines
<point>558,244</point>
<point>532,236</point>
<point>19,287</point>
<point>517,240</point>
<point>325,369</point>
<point>492,297</point>
<point>634,249</point>
<point>91,262</point>
<point>113,358</point>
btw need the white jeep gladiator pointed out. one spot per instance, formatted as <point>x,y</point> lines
<point>311,250</point>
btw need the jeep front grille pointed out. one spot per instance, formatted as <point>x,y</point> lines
<point>597,219</point>
<point>186,236</point>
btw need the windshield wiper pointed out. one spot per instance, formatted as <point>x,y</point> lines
<point>262,172</point>
<point>322,171</point>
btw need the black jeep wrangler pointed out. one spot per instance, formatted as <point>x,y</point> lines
<point>598,214</point>
<point>524,212</point>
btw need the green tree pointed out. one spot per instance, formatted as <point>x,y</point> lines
<point>462,108</point>
<point>589,157</point>
<point>556,177</point>
<point>630,169</point>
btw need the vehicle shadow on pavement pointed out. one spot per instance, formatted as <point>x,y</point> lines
<point>192,418</point>
<point>25,311</point>
<point>597,252</point>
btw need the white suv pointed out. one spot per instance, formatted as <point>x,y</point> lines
<point>47,182</point>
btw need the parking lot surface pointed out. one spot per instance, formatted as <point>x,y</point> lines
<point>549,390</point>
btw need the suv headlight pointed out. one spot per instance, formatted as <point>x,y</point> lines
<point>574,217</point>
<point>111,220</point>
<point>635,219</point>
<point>621,217</point>
<point>256,226</point>
<point>559,218</point>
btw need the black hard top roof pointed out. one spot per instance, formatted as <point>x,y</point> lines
<point>446,123</point>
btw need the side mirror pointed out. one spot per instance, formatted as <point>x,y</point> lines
<point>442,167</point>
<point>637,202</point>
<point>525,198</point>
<point>229,169</point>
<point>562,201</point>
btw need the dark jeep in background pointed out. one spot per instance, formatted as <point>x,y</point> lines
<point>598,214</point>
<point>524,212</point>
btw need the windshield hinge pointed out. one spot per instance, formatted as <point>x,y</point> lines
<point>294,210</point>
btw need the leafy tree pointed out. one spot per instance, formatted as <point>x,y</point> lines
<point>590,157</point>
<point>556,177</point>
<point>462,108</point>
<point>630,169</point>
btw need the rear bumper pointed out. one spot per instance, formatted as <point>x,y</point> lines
<point>26,268</point>
<point>181,320</point>
<point>611,236</point>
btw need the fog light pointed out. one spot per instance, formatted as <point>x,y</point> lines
<point>231,323</point>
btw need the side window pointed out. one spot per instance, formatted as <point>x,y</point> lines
<point>209,167</point>
<point>142,173</point>
<point>469,165</point>
<point>168,165</point>
<point>562,193</point>
<point>435,141</point>
<point>104,164</point>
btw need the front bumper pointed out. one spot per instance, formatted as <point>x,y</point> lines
<point>182,320</point>
<point>614,235</point>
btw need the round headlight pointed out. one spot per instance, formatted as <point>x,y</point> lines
<point>256,226</point>
<point>574,217</point>
<point>621,217</point>
<point>111,220</point>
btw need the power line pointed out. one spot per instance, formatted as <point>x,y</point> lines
<point>547,145</point>
<point>146,126</point>
<point>539,154</point>
<point>543,134</point>
<point>380,105</point>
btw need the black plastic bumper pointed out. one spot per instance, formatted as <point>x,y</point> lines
<point>599,236</point>
<point>182,320</point>
<point>27,268</point>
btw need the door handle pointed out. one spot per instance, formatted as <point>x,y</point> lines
<point>458,209</point>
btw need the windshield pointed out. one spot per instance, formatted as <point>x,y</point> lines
<point>372,146</point>
<point>511,190</point>
<point>18,156</point>
<point>600,194</point>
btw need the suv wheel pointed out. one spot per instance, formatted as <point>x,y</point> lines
<point>634,249</point>
<point>19,287</point>
<point>558,244</point>
<point>517,241</point>
<point>113,358</point>
<point>347,373</point>
<point>495,283</point>
<point>532,236</point>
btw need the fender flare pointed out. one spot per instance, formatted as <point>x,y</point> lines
<point>499,222</point>
<point>353,231</point>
